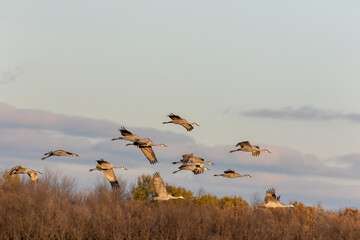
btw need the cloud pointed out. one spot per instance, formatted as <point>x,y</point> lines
<point>11,76</point>
<point>306,113</point>
<point>282,161</point>
<point>25,135</point>
<point>76,126</point>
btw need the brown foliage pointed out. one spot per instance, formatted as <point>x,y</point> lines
<point>54,209</point>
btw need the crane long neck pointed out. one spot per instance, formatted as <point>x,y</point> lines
<point>265,150</point>
<point>181,197</point>
<point>154,144</point>
<point>120,167</point>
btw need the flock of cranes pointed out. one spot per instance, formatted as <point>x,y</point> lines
<point>188,162</point>
<point>145,144</point>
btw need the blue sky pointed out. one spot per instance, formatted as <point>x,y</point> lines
<point>280,74</point>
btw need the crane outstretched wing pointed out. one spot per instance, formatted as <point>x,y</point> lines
<point>17,169</point>
<point>48,153</point>
<point>195,159</point>
<point>110,175</point>
<point>255,153</point>
<point>174,117</point>
<point>149,154</point>
<point>270,195</point>
<point>187,156</point>
<point>101,161</point>
<point>243,144</point>
<point>188,126</point>
<point>198,170</point>
<point>159,186</point>
<point>33,176</point>
<point>125,132</point>
<point>70,153</point>
<point>128,134</point>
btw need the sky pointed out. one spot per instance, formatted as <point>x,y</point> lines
<point>282,75</point>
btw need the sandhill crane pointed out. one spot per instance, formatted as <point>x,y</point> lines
<point>247,147</point>
<point>190,158</point>
<point>59,153</point>
<point>160,190</point>
<point>145,146</point>
<point>273,201</point>
<point>232,174</point>
<point>107,169</point>
<point>181,121</point>
<point>21,170</point>
<point>126,135</point>
<point>196,169</point>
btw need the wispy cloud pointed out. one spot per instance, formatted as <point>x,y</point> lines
<point>283,161</point>
<point>306,113</point>
<point>11,76</point>
<point>11,117</point>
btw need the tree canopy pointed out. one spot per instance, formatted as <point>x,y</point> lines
<point>144,191</point>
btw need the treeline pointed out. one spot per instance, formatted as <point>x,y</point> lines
<point>55,209</point>
<point>144,191</point>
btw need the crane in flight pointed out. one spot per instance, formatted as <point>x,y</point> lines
<point>160,190</point>
<point>181,121</point>
<point>59,153</point>
<point>273,201</point>
<point>145,146</point>
<point>126,135</point>
<point>107,169</point>
<point>247,147</point>
<point>33,174</point>
<point>232,174</point>
<point>190,158</point>
<point>196,169</point>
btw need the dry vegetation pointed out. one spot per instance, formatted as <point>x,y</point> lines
<point>54,209</point>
